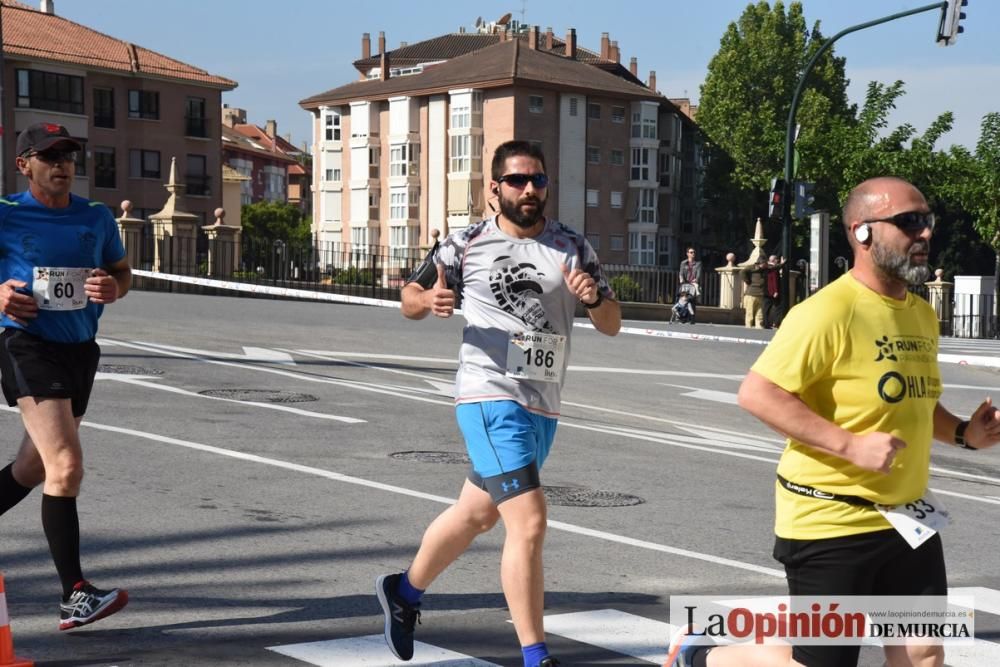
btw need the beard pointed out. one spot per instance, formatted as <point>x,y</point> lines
<point>900,266</point>
<point>511,210</point>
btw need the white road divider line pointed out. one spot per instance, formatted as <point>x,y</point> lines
<point>617,631</point>
<point>371,651</point>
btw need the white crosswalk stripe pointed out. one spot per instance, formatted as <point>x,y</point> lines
<point>371,651</point>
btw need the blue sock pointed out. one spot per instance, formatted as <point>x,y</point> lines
<point>534,654</point>
<point>407,591</point>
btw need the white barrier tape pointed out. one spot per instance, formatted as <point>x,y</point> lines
<point>4,618</point>
<point>664,333</point>
<point>267,289</point>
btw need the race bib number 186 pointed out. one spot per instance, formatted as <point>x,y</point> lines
<point>535,356</point>
<point>56,288</point>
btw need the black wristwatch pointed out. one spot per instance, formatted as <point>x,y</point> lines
<point>600,298</point>
<point>960,435</point>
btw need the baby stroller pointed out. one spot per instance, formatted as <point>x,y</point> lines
<point>683,310</point>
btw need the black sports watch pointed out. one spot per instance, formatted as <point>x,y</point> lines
<point>960,435</point>
<point>600,298</point>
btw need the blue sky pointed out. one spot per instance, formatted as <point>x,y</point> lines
<point>281,52</point>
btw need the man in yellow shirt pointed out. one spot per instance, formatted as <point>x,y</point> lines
<point>852,380</point>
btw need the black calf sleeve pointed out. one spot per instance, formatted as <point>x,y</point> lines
<point>62,529</point>
<point>11,491</point>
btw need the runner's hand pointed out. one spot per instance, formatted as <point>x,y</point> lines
<point>439,298</point>
<point>581,284</point>
<point>15,305</point>
<point>101,287</point>
<point>874,451</point>
<point>984,426</point>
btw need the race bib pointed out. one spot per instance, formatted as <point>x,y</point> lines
<point>535,356</point>
<point>919,520</point>
<point>59,288</point>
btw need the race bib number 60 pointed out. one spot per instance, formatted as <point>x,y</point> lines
<point>536,356</point>
<point>56,288</point>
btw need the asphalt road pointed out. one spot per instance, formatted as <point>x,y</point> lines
<point>257,515</point>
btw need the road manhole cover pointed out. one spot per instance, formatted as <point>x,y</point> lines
<point>578,496</point>
<point>431,457</point>
<point>259,395</point>
<point>128,370</point>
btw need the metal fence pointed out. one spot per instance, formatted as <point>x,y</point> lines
<point>649,284</point>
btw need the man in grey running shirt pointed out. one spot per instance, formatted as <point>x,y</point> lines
<point>521,277</point>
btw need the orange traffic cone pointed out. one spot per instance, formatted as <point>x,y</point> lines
<point>7,657</point>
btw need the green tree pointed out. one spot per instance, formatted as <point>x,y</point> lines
<point>745,102</point>
<point>275,221</point>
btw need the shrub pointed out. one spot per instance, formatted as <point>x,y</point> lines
<point>626,288</point>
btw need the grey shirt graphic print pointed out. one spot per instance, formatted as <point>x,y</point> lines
<point>511,285</point>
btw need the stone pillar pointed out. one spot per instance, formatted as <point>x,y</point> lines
<point>176,232</point>
<point>730,284</point>
<point>131,232</point>
<point>939,294</point>
<point>223,247</point>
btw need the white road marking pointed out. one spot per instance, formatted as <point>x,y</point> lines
<point>371,651</point>
<point>726,397</point>
<point>616,631</point>
<point>987,599</point>
<point>267,355</point>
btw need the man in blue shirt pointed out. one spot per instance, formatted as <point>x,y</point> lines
<point>61,261</point>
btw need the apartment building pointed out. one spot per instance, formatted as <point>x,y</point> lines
<point>133,109</point>
<point>405,149</point>
<point>269,162</point>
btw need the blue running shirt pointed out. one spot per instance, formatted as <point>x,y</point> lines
<point>83,235</point>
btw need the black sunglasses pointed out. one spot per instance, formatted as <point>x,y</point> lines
<point>911,222</point>
<point>53,157</point>
<point>520,181</point>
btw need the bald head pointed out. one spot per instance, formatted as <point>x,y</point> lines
<point>870,198</point>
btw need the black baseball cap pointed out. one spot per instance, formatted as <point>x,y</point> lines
<point>42,136</point>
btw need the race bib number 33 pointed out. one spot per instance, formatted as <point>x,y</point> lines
<point>536,356</point>
<point>56,288</point>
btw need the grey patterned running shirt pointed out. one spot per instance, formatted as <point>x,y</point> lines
<point>511,285</point>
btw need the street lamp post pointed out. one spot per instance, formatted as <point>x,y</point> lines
<point>786,199</point>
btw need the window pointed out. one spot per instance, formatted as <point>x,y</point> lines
<point>640,164</point>
<point>594,111</point>
<point>466,154</point>
<point>592,197</point>
<point>374,155</point>
<point>144,104</point>
<point>47,90</point>
<point>572,106</point>
<point>194,116</point>
<point>461,116</point>
<point>403,160</point>
<point>617,242</point>
<point>647,205</point>
<point>535,103</point>
<point>642,249</point>
<point>336,175</point>
<point>104,167</point>
<point>617,114</point>
<point>332,127</point>
<point>397,206</point>
<point>104,107</point>
<point>665,160</point>
<point>616,199</point>
<point>81,160</point>
<point>143,164</point>
<point>245,168</point>
<point>196,175</point>
<point>644,128</point>
<point>617,157</point>
<point>274,182</point>
<point>329,175</point>
<point>593,155</point>
<point>594,240</point>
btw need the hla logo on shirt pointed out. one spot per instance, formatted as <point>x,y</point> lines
<point>893,387</point>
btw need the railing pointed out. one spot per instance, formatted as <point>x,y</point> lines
<point>653,284</point>
<point>196,126</point>
<point>198,184</point>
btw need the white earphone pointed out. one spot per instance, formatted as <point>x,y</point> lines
<point>863,233</point>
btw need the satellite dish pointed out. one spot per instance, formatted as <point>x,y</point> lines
<point>504,20</point>
<point>479,21</point>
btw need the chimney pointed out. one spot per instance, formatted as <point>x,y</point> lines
<point>652,80</point>
<point>549,39</point>
<point>616,55</point>
<point>633,66</point>
<point>533,37</point>
<point>271,128</point>
<point>571,43</point>
<point>402,44</point>
<point>366,46</point>
<point>48,7</point>
<point>383,66</point>
<point>381,41</point>
<point>605,46</point>
<point>231,116</point>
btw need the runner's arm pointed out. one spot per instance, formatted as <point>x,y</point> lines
<point>122,273</point>
<point>607,316</point>
<point>982,432</point>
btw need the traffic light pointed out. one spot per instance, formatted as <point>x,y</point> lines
<point>804,199</point>
<point>951,19</point>
<point>774,204</point>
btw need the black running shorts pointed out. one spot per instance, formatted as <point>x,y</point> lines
<point>30,366</point>
<point>878,563</point>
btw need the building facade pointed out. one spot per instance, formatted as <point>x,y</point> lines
<point>259,155</point>
<point>134,110</point>
<point>405,150</point>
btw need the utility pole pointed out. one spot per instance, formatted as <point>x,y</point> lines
<point>951,16</point>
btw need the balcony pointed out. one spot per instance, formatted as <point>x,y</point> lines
<point>198,185</point>
<point>196,126</point>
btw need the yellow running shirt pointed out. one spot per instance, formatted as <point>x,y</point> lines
<point>867,363</point>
